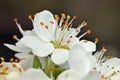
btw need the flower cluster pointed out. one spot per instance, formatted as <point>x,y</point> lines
<point>53,50</point>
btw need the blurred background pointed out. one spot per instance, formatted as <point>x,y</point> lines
<point>103,17</point>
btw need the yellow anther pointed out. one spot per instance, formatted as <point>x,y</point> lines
<point>96,40</point>
<point>57,17</point>
<point>4,70</point>
<point>114,73</point>
<point>68,16</point>
<point>104,49</point>
<point>15,37</point>
<point>84,23</point>
<point>63,15</point>
<point>2,59</point>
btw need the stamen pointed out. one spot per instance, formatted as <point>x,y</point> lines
<point>62,19</point>
<point>68,17</point>
<point>41,23</point>
<point>15,37</point>
<point>68,41</point>
<point>87,32</point>
<point>74,17</point>
<point>63,15</point>
<point>20,70</point>
<point>52,68</point>
<point>16,60</point>
<point>30,17</point>
<point>96,40</point>
<point>57,17</point>
<point>2,59</point>
<point>1,65</point>
<point>84,23</point>
<point>51,22</point>
<point>18,25</point>
<point>14,65</point>
<point>2,73</point>
<point>46,27</point>
<point>15,19</point>
<point>103,50</point>
<point>11,59</point>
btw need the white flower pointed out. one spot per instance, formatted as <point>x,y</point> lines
<point>110,69</point>
<point>53,38</point>
<point>80,65</point>
<point>34,74</point>
<point>10,71</point>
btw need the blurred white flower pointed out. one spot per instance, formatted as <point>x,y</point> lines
<point>10,71</point>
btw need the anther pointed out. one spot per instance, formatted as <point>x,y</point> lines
<point>68,41</point>
<point>84,23</point>
<point>41,23</point>
<point>11,59</point>
<point>15,37</point>
<point>57,17</point>
<point>51,22</point>
<point>2,59</point>
<point>89,31</point>
<point>103,50</point>
<point>15,19</point>
<point>77,30</point>
<point>16,60</point>
<point>63,15</point>
<point>46,27</point>
<point>30,17</point>
<point>74,17</point>
<point>96,40</point>
<point>52,68</point>
<point>14,65</point>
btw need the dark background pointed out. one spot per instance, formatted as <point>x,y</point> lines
<point>103,17</point>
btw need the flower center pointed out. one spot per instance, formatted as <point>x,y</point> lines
<point>59,45</point>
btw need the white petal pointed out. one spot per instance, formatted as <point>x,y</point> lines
<point>93,75</point>
<point>78,61</point>
<point>77,50</point>
<point>22,55</point>
<point>73,41</point>
<point>27,61</point>
<point>34,74</point>
<point>38,47</point>
<point>44,17</point>
<point>69,75</point>
<point>116,77</point>
<point>88,45</point>
<point>17,48</point>
<point>29,33</point>
<point>60,56</point>
<point>13,76</point>
<point>91,58</point>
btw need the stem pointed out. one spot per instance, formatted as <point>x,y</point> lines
<point>46,66</point>
<point>37,63</point>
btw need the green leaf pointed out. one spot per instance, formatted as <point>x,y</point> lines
<point>37,63</point>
